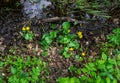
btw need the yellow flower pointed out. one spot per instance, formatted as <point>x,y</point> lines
<point>23,29</point>
<point>27,28</point>
<point>80,35</point>
<point>68,30</point>
<point>83,54</point>
<point>71,49</point>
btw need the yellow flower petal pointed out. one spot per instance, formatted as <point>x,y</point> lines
<point>83,54</point>
<point>80,34</point>
<point>71,49</point>
<point>23,29</point>
<point>68,30</point>
<point>27,28</point>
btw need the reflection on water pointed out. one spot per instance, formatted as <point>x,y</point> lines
<point>34,8</point>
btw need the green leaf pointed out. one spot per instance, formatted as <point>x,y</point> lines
<point>74,44</point>
<point>117,30</point>
<point>110,75</point>
<point>100,62</point>
<point>66,55</point>
<point>111,61</point>
<point>74,80</point>
<point>75,23</point>
<point>63,80</point>
<point>109,66</point>
<point>118,63</point>
<point>64,52</point>
<point>83,78</point>
<point>28,36</point>
<point>13,79</point>
<point>91,64</point>
<point>84,70</point>
<point>53,34</point>
<point>23,74</point>
<point>98,79</point>
<point>48,40</point>
<point>13,70</point>
<point>1,63</point>
<point>78,71</point>
<point>78,58</point>
<point>44,36</point>
<point>115,37</point>
<point>103,73</point>
<point>72,68</point>
<point>118,57</point>
<point>94,74</point>
<point>68,80</point>
<point>101,66</point>
<point>64,39</point>
<point>104,56</point>
<point>53,26</point>
<point>114,81</point>
<point>71,80</point>
<point>108,80</point>
<point>66,25</point>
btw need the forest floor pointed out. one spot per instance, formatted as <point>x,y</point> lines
<point>12,42</point>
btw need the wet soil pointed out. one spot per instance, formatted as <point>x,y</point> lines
<point>11,23</point>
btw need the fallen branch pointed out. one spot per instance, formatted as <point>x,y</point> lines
<point>54,19</point>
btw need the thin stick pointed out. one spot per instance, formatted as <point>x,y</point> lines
<point>61,19</point>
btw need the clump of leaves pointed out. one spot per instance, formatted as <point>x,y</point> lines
<point>27,34</point>
<point>67,40</point>
<point>115,37</point>
<point>68,80</point>
<point>63,37</point>
<point>47,39</point>
<point>104,70</point>
<point>23,70</point>
<point>1,75</point>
